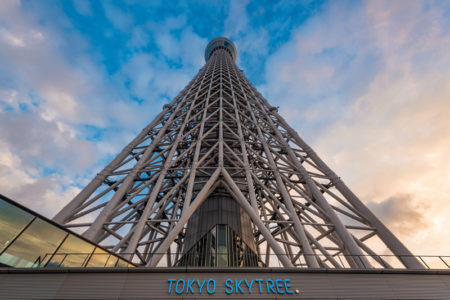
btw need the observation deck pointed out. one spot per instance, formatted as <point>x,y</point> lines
<point>221,43</point>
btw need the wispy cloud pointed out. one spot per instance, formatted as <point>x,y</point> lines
<point>366,83</point>
<point>370,84</point>
<point>64,113</point>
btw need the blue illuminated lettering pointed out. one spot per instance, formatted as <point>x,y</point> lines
<point>276,286</point>
<point>279,285</point>
<point>214,286</point>
<point>259,282</point>
<point>270,286</point>
<point>287,286</point>
<point>176,287</point>
<point>170,285</point>
<point>249,286</point>
<point>238,287</point>
<point>229,287</point>
<point>201,286</point>
<point>189,286</point>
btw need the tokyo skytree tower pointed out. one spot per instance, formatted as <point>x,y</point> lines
<point>219,178</point>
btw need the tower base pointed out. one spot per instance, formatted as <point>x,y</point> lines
<point>225,283</point>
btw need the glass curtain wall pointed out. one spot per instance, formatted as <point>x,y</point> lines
<point>220,247</point>
<point>30,241</point>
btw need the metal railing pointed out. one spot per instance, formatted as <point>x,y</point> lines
<point>341,261</point>
<point>86,260</point>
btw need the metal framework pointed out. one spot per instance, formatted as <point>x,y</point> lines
<point>219,132</point>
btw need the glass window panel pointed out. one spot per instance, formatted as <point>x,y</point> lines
<point>207,250</point>
<point>74,252</point>
<point>112,261</point>
<point>12,221</point>
<point>56,261</point>
<point>222,246</point>
<point>213,246</point>
<point>98,258</point>
<point>34,247</point>
<point>202,254</point>
<point>122,264</point>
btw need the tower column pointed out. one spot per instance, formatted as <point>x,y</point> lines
<point>84,194</point>
<point>357,255</point>
<point>299,230</point>
<point>96,227</point>
<point>394,244</point>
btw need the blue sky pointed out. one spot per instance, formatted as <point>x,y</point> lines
<point>366,83</point>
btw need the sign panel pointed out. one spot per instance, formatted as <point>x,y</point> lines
<point>278,286</point>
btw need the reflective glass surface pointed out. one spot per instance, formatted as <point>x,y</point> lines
<point>122,264</point>
<point>74,252</point>
<point>12,221</point>
<point>98,258</point>
<point>222,246</point>
<point>34,246</point>
<point>112,261</point>
<point>56,261</point>
<point>212,245</point>
<point>28,240</point>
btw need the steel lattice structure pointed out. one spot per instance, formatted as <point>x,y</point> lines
<point>220,133</point>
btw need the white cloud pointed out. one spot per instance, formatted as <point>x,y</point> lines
<point>366,84</point>
<point>119,18</point>
<point>22,183</point>
<point>401,214</point>
<point>369,88</point>
<point>83,7</point>
<point>250,41</point>
<point>44,100</point>
<point>151,77</point>
<point>11,39</point>
<point>57,90</point>
<point>45,144</point>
